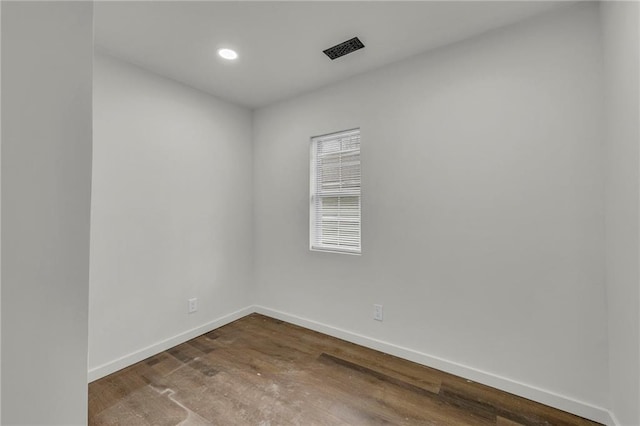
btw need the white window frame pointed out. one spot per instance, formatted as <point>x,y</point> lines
<point>315,243</point>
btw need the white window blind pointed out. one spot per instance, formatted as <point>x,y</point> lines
<point>335,192</point>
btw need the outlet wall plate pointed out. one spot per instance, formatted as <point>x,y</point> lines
<point>377,312</point>
<point>192,305</point>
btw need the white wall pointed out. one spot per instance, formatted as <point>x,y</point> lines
<point>0,214</point>
<point>170,216</point>
<point>621,56</point>
<point>47,51</point>
<point>483,227</point>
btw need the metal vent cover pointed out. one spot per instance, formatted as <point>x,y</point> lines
<point>344,48</point>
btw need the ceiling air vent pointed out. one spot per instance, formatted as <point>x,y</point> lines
<point>344,48</point>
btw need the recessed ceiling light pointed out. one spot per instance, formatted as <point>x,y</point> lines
<point>228,54</point>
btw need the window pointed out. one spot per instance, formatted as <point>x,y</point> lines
<point>335,192</point>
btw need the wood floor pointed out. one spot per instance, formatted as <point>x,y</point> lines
<point>264,372</point>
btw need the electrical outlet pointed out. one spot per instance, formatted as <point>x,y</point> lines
<point>193,305</point>
<point>377,312</point>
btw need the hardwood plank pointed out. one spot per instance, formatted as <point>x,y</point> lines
<point>262,371</point>
<point>508,406</point>
<point>397,402</point>
<point>324,357</point>
<point>143,406</point>
<point>501,421</point>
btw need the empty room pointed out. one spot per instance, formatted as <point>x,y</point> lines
<point>320,213</point>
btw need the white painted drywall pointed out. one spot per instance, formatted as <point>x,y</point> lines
<point>171,210</point>
<point>482,209</point>
<point>620,33</point>
<point>47,51</point>
<point>0,213</point>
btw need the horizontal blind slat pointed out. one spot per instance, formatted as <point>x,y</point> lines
<point>336,175</point>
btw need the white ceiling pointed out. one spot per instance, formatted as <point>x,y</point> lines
<point>280,43</point>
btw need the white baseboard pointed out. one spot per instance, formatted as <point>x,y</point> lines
<point>137,356</point>
<point>524,390</point>
<point>614,419</point>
